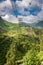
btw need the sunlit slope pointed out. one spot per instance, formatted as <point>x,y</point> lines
<point>6,26</point>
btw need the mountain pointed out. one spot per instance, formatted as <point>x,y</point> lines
<point>16,40</point>
<point>38,24</point>
<point>6,26</point>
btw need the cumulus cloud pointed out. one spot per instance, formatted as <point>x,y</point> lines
<point>5,7</point>
<point>34,8</point>
<point>29,19</point>
<point>28,10</point>
<point>10,18</point>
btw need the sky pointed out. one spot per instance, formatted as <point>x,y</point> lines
<point>28,11</point>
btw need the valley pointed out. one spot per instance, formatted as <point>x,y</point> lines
<point>20,44</point>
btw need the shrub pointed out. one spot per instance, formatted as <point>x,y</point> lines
<point>31,58</point>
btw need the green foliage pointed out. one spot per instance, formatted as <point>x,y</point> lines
<point>11,54</point>
<point>4,46</point>
<point>40,55</point>
<point>31,58</point>
<point>20,43</point>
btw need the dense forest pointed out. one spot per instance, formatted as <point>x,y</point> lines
<point>20,44</point>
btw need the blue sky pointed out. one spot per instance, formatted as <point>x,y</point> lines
<point>34,10</point>
<point>21,9</point>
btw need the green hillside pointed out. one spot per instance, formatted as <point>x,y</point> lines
<point>20,44</point>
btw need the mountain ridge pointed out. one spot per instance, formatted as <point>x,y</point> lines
<point>39,23</point>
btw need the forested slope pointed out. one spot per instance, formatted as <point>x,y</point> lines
<point>20,44</point>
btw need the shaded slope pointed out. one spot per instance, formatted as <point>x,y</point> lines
<point>38,24</point>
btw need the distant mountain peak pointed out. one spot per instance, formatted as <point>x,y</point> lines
<point>38,24</point>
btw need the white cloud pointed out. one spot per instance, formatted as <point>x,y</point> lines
<point>10,18</point>
<point>20,5</point>
<point>29,19</point>
<point>25,3</point>
<point>5,3</point>
<point>26,19</point>
<point>5,7</point>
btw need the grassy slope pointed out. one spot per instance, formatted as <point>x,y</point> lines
<point>24,34</point>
